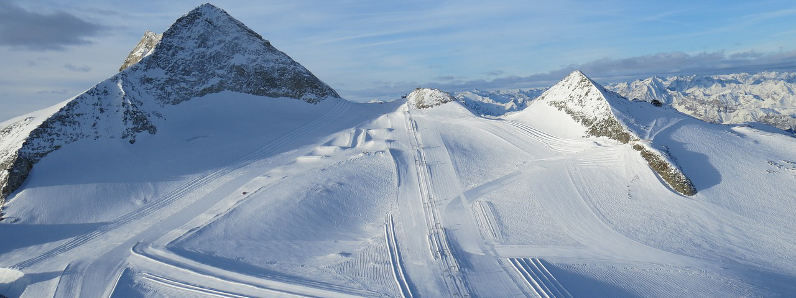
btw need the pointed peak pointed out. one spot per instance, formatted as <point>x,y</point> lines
<point>210,51</point>
<point>207,18</point>
<point>576,80</point>
<point>577,74</point>
<point>207,8</point>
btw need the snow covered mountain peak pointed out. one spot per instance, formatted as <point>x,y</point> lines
<point>500,102</point>
<point>206,51</point>
<point>604,113</point>
<point>428,97</point>
<point>589,104</point>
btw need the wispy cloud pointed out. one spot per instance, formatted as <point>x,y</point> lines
<point>495,73</point>
<point>21,28</point>
<point>62,91</point>
<point>780,13</point>
<point>82,68</point>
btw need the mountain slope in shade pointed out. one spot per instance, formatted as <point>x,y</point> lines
<point>205,51</point>
<point>765,97</point>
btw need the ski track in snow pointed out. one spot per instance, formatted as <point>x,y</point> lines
<point>161,257</point>
<point>74,276</point>
<point>544,284</point>
<point>395,258</point>
<point>439,246</point>
<point>440,240</point>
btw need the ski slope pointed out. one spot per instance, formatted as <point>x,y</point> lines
<point>247,196</point>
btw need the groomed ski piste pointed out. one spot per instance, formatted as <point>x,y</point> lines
<point>341,199</point>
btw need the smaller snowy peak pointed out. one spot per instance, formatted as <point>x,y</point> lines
<point>650,89</point>
<point>607,114</point>
<point>589,104</point>
<point>142,49</point>
<point>423,98</point>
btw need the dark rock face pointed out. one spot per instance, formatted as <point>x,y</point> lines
<point>205,51</point>
<point>668,171</point>
<point>17,169</point>
<point>215,52</point>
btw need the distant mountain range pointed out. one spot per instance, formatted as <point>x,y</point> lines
<point>767,97</point>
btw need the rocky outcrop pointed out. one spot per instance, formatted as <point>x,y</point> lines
<point>423,98</point>
<point>585,101</point>
<point>142,49</point>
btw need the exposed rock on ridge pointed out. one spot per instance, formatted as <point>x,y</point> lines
<point>142,49</point>
<point>423,98</point>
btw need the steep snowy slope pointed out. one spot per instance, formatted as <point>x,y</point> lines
<point>204,52</point>
<point>765,97</point>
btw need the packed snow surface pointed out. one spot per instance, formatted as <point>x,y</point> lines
<point>247,194</point>
<point>242,195</point>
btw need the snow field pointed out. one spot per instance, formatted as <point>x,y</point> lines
<point>404,202</point>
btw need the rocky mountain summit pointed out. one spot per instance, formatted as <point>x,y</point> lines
<point>205,51</point>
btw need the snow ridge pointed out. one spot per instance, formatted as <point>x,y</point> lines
<point>205,51</point>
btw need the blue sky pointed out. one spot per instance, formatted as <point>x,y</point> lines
<point>53,50</point>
